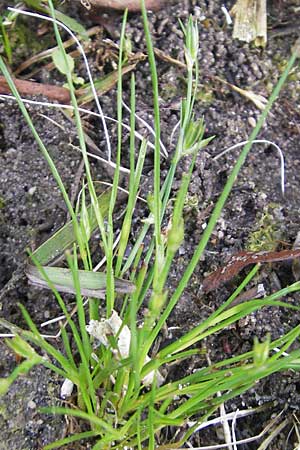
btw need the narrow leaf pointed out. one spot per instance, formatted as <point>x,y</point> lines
<point>102,85</point>
<point>92,284</point>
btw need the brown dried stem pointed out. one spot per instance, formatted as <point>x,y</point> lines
<point>132,5</point>
<point>56,93</point>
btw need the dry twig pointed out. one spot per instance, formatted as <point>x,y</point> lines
<point>132,5</point>
<point>57,93</point>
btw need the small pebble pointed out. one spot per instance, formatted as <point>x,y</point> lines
<point>31,404</point>
<point>11,153</point>
<point>32,190</point>
<point>252,122</point>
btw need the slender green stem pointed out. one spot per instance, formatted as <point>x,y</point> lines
<point>81,138</point>
<point>157,199</point>
<point>100,221</point>
<point>110,294</point>
<point>42,147</point>
<point>219,206</point>
<point>127,220</point>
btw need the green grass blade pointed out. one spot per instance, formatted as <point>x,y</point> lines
<point>65,237</point>
<point>41,145</point>
<point>92,191</point>
<point>157,199</point>
<point>219,205</point>
<point>100,425</point>
<point>5,40</point>
<point>110,295</point>
<point>71,439</point>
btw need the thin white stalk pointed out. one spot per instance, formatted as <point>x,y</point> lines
<point>50,19</point>
<point>101,115</point>
<point>260,141</point>
<point>277,350</point>
<point>59,318</point>
<point>45,336</point>
<point>228,416</point>
<point>49,322</point>
<point>103,260</point>
<point>108,163</point>
<point>233,425</point>
<point>149,128</point>
<point>225,424</point>
<point>106,183</point>
<point>224,421</point>
<point>58,125</point>
<point>227,15</point>
<point>242,441</point>
<point>174,131</point>
<point>71,108</point>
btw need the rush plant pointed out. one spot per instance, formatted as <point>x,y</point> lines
<point>121,391</point>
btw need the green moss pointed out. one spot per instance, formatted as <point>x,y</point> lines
<point>25,42</point>
<point>205,94</point>
<point>170,90</point>
<point>190,203</point>
<point>3,411</point>
<point>267,232</point>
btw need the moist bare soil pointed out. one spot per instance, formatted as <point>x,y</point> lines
<point>31,206</point>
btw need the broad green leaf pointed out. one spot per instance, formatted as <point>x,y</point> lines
<point>60,63</point>
<point>65,236</point>
<point>70,23</point>
<point>92,284</point>
<point>66,20</point>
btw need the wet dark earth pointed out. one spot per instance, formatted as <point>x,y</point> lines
<point>31,206</point>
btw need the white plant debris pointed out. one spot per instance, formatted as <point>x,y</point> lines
<point>250,21</point>
<point>66,389</point>
<point>227,15</point>
<point>102,329</point>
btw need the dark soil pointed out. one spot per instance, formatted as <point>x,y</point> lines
<point>32,207</point>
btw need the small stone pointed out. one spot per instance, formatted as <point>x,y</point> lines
<point>11,152</point>
<point>252,122</point>
<point>32,190</point>
<point>31,404</point>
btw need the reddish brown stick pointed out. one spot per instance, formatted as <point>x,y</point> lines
<point>52,92</point>
<point>242,259</point>
<point>132,5</point>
